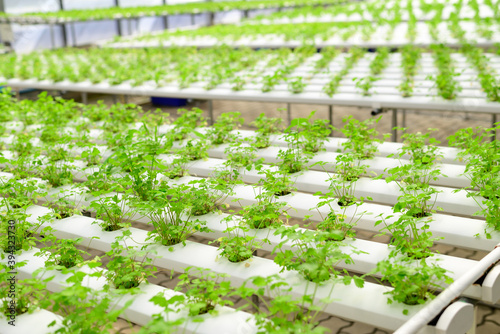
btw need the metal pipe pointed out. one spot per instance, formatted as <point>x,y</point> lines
<point>432,309</point>
<point>84,98</point>
<point>255,301</point>
<point>119,27</point>
<point>289,113</point>
<point>330,114</point>
<point>493,122</point>
<point>211,112</point>
<point>64,35</point>
<point>404,118</point>
<point>165,22</point>
<point>394,125</point>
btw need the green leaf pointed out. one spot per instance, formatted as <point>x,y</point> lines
<point>259,281</point>
<point>358,281</point>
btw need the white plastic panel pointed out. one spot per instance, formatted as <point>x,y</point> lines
<point>27,6</point>
<point>88,4</point>
<point>137,3</point>
<point>89,32</point>
<point>31,38</point>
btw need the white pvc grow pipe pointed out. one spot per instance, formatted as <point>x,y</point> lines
<point>385,101</point>
<point>142,309</point>
<point>33,323</point>
<point>428,313</point>
<point>366,304</point>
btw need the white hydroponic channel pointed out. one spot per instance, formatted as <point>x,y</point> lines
<point>384,93</point>
<point>383,35</point>
<point>367,304</point>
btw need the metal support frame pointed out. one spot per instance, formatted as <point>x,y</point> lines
<point>289,113</point>
<point>165,17</point>
<point>129,26</point>
<point>404,118</point>
<point>493,122</point>
<point>118,21</point>
<point>84,98</point>
<point>255,298</point>
<point>64,35</point>
<point>119,27</point>
<point>330,114</point>
<point>165,22</point>
<point>193,18</point>
<point>255,301</point>
<point>211,111</point>
<point>63,26</point>
<point>394,125</point>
